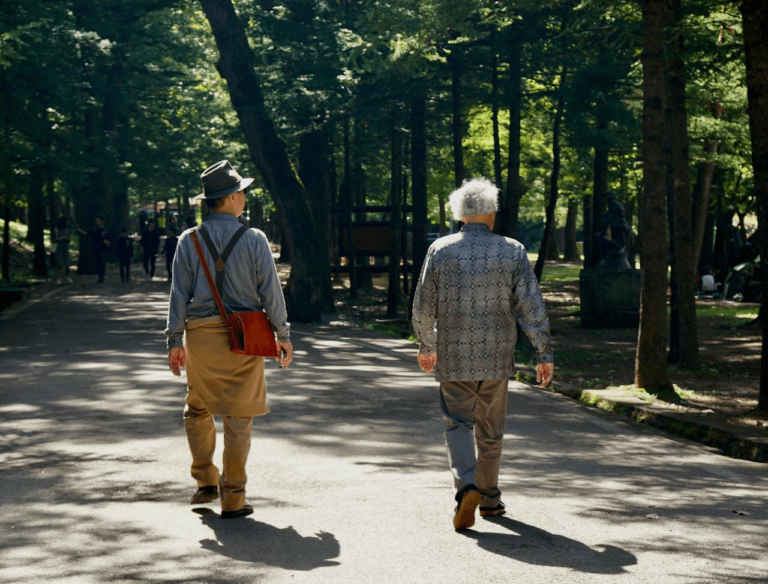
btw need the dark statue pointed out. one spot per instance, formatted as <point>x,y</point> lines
<point>612,240</point>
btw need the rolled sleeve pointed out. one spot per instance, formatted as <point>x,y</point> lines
<point>531,311</point>
<point>270,292</point>
<point>182,286</point>
<point>425,307</point>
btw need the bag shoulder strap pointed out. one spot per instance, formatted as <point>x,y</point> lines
<point>219,260</point>
<point>199,250</point>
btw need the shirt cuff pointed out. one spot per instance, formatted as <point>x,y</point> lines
<point>176,341</point>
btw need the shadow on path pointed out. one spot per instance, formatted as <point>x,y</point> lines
<point>247,540</point>
<point>535,546</point>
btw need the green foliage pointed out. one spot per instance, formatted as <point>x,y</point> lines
<point>114,96</point>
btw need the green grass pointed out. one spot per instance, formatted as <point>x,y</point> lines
<point>556,273</point>
<point>393,331</point>
<point>732,312</point>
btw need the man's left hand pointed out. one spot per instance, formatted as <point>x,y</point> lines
<point>285,352</point>
<point>544,373</point>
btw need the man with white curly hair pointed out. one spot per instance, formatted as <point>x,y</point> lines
<point>474,288</point>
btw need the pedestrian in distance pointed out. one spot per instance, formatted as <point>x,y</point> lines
<point>220,382</point>
<point>150,243</point>
<point>474,288</point>
<point>99,242</point>
<point>124,254</point>
<point>62,257</point>
<point>169,249</point>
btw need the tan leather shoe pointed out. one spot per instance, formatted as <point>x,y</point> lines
<point>205,495</point>
<point>246,509</point>
<point>465,511</point>
<point>493,511</point>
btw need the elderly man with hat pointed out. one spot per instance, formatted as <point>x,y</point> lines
<point>220,382</point>
<point>474,289</point>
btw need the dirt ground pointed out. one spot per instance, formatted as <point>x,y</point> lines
<point>724,390</point>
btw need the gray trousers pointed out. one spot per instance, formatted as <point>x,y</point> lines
<point>475,413</point>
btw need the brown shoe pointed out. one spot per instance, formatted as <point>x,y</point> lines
<point>205,495</point>
<point>246,509</point>
<point>469,499</point>
<point>493,511</point>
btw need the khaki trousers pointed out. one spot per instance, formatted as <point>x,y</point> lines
<point>475,414</point>
<point>201,435</point>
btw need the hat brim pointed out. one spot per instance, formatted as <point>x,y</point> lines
<point>243,184</point>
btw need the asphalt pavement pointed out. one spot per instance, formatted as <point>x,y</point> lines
<point>348,474</point>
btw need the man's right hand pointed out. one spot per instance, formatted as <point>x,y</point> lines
<point>177,358</point>
<point>544,373</point>
<point>427,361</point>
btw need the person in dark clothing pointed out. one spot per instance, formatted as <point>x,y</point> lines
<point>124,254</point>
<point>100,242</point>
<point>169,249</point>
<point>150,243</point>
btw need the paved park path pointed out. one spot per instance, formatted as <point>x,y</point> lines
<point>347,474</point>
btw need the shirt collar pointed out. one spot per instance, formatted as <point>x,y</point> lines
<point>475,228</point>
<point>221,217</point>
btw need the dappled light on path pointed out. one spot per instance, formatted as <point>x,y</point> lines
<point>348,473</point>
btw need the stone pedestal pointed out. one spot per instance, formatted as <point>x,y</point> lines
<point>610,298</point>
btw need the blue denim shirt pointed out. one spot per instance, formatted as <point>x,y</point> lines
<point>250,279</point>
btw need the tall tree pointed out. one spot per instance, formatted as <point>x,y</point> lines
<point>688,342</point>
<point>549,225</point>
<point>309,286</point>
<point>396,184</point>
<point>650,360</point>
<point>755,19</point>
<point>510,203</point>
<point>419,177</point>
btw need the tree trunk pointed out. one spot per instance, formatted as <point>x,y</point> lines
<point>571,252</point>
<point>86,192</point>
<point>364,278</point>
<point>345,198</point>
<point>404,217</point>
<point>708,244</point>
<point>456,64</point>
<point>549,226</point>
<point>650,363</point>
<point>673,354</point>
<point>682,233</point>
<point>256,218</point>
<point>599,188</point>
<point>495,115</point>
<point>36,231</point>
<point>396,161</point>
<point>310,281</point>
<point>701,192</point>
<point>510,204</point>
<point>6,171</point>
<point>419,178</point>
<point>314,171</point>
<point>6,237</point>
<point>755,18</point>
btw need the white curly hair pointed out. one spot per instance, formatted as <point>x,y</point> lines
<point>477,196</point>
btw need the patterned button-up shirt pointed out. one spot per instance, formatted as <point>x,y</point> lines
<point>474,288</point>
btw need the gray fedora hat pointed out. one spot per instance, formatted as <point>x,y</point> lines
<point>221,180</point>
